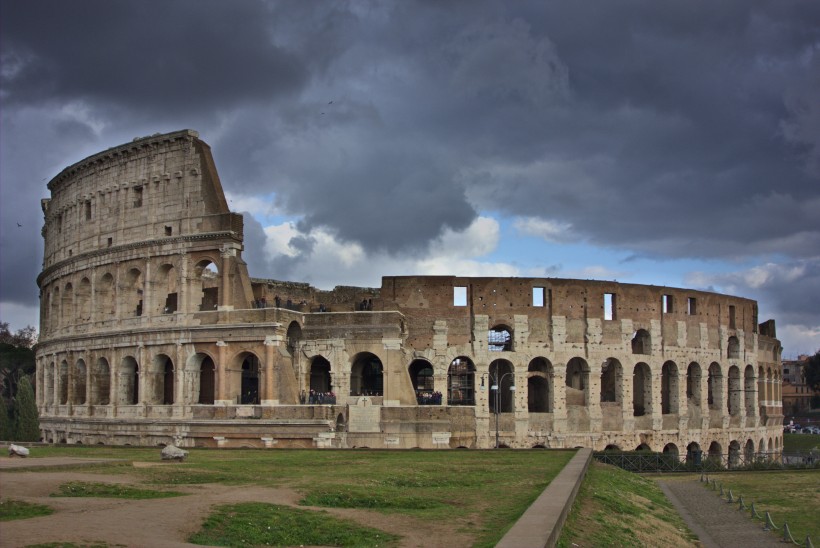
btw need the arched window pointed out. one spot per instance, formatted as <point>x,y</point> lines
<point>62,383</point>
<point>641,342</point>
<point>366,375</point>
<point>206,379</point>
<point>749,452</point>
<point>105,302</point>
<point>611,381</point>
<point>206,283</point>
<point>749,384</point>
<point>499,339</point>
<point>693,454</point>
<point>55,309</point>
<point>641,390</point>
<point>294,337</point>
<point>79,383</point>
<point>733,348</point>
<point>249,391</point>
<point>734,454</point>
<point>67,306</point>
<point>320,376</point>
<point>693,384</point>
<point>539,386</point>
<point>670,449</point>
<point>577,381</point>
<point>166,290</point>
<point>734,391</point>
<point>128,391</point>
<point>84,301</point>
<point>422,380</point>
<point>162,379</point>
<point>669,388</point>
<point>101,383</point>
<point>461,382</point>
<point>501,389</point>
<point>715,387</point>
<point>133,293</point>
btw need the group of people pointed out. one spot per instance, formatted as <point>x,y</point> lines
<point>317,397</point>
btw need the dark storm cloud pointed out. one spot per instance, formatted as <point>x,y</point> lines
<point>150,57</point>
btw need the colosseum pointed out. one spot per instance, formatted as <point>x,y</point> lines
<point>153,332</point>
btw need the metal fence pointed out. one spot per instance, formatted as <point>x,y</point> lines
<point>646,461</point>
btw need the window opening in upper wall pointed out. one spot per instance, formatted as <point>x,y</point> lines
<point>538,296</point>
<point>668,304</point>
<point>169,231</point>
<point>88,210</point>
<point>460,296</point>
<point>732,323</point>
<point>692,306</point>
<point>609,306</point>
<point>137,196</point>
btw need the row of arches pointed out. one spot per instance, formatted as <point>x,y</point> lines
<point>734,452</point>
<point>111,295</point>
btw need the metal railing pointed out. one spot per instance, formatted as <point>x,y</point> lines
<point>646,461</point>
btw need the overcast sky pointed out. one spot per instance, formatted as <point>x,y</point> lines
<point>670,143</point>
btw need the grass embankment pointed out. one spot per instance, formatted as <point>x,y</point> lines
<point>18,509</point>
<point>619,508</point>
<point>476,493</point>
<point>110,490</point>
<point>789,496</point>
<point>800,443</point>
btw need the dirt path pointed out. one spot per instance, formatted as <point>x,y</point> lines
<point>716,523</point>
<point>165,522</point>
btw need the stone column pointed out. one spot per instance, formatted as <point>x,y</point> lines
<point>594,394</point>
<point>222,375</point>
<point>655,407</point>
<point>225,297</point>
<point>113,368</point>
<point>559,415</point>
<point>270,393</point>
<point>179,378</point>
<point>147,292</point>
<point>143,376</point>
<point>55,383</point>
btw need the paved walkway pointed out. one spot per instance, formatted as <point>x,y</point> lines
<point>717,523</point>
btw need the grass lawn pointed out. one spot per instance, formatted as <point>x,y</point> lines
<point>619,508</point>
<point>800,443</point>
<point>18,509</point>
<point>110,490</point>
<point>790,496</point>
<point>479,493</point>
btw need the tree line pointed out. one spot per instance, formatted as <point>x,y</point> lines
<point>19,419</point>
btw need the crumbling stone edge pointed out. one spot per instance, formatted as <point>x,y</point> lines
<point>541,524</point>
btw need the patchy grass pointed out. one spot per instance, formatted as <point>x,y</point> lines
<point>94,544</point>
<point>618,508</point>
<point>18,509</point>
<point>258,524</point>
<point>110,490</point>
<point>800,443</point>
<point>791,496</point>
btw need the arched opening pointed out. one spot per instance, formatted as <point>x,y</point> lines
<point>249,387</point>
<point>321,390</point>
<point>67,306</point>
<point>105,301</point>
<point>461,382</point>
<point>366,375</point>
<point>499,339</point>
<point>129,389</point>
<point>166,288</point>
<point>539,386</point>
<point>161,388</point>
<point>62,382</point>
<point>206,381</point>
<point>641,390</point>
<point>714,385</point>
<point>771,446</point>
<point>501,390</point>
<point>421,378</point>
<point>733,348</point>
<point>670,449</point>
<point>50,373</point>
<point>206,283</point>
<point>643,447</point>
<point>577,382</point>
<point>749,451</point>
<point>693,384</point>
<point>612,447</point>
<point>55,309</point>
<point>101,383</point>
<point>669,388</point>
<point>734,454</point>
<point>79,383</point>
<point>715,450</point>
<point>84,301</point>
<point>132,293</point>
<point>611,381</point>
<point>734,391</point>
<point>641,342</point>
<point>341,426</point>
<point>693,454</point>
<point>749,383</point>
<point>294,337</point>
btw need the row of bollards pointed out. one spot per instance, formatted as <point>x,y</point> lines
<point>768,523</point>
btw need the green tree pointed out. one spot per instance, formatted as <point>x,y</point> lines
<point>812,371</point>
<point>26,418</point>
<point>6,426</point>
<point>16,358</point>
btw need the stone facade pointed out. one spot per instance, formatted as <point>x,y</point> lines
<point>152,332</point>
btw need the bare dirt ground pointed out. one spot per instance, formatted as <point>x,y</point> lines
<point>160,522</point>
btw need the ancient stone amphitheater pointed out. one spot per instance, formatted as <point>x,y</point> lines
<point>153,332</point>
